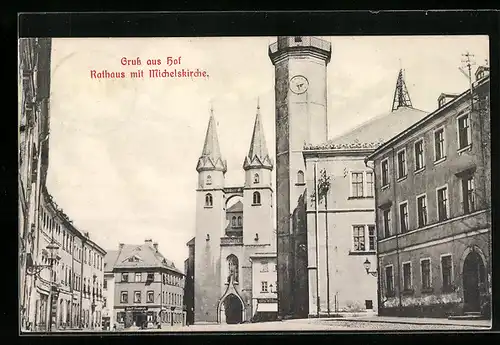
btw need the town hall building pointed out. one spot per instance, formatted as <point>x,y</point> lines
<point>234,247</point>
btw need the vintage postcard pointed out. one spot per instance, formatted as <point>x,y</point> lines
<point>254,184</point>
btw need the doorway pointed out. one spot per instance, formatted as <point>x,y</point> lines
<point>233,309</point>
<point>473,282</point>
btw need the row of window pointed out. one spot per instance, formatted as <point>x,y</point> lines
<point>464,141</point>
<point>67,241</point>
<point>426,281</point>
<point>152,317</point>
<point>265,287</point>
<point>168,298</point>
<point>209,199</point>
<point>443,207</point>
<point>236,221</point>
<point>150,276</point>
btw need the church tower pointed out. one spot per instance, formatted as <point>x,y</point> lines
<point>301,100</point>
<point>257,191</point>
<point>210,221</point>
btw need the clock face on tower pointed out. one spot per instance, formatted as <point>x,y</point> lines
<point>299,84</point>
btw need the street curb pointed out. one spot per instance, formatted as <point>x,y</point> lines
<point>409,322</point>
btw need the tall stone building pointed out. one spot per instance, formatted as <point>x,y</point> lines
<point>433,210</point>
<point>228,235</point>
<point>301,118</point>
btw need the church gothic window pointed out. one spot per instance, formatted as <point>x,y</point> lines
<point>239,221</point>
<point>256,178</point>
<point>256,198</point>
<point>209,180</point>
<point>233,221</point>
<point>208,200</point>
<point>232,262</point>
<point>300,177</point>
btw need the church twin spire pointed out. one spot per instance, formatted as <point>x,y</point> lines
<point>258,155</point>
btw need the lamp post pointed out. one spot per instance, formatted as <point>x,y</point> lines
<point>54,257</point>
<point>367,265</point>
<point>94,277</point>
<point>172,308</point>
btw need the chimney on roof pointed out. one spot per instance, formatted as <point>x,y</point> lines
<point>155,246</point>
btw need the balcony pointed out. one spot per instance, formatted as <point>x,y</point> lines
<point>231,241</point>
<point>305,41</point>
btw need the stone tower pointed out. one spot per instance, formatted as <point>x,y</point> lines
<point>301,117</point>
<point>210,220</point>
<point>257,191</point>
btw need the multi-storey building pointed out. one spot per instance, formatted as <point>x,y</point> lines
<point>264,286</point>
<point>108,292</point>
<point>342,219</point>
<point>34,91</point>
<point>49,257</point>
<point>148,288</point>
<point>433,200</point>
<point>189,287</point>
<point>228,235</point>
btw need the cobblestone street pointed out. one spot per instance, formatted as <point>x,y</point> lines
<point>363,324</point>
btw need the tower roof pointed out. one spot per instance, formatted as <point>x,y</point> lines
<point>258,155</point>
<point>211,158</point>
<point>401,95</point>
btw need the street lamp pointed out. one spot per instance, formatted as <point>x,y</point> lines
<point>35,270</point>
<point>94,277</point>
<point>172,308</point>
<point>367,264</point>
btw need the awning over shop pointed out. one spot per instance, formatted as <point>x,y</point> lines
<point>267,307</point>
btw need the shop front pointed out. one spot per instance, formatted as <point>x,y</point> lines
<point>267,310</point>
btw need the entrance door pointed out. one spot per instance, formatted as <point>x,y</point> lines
<point>233,309</point>
<point>473,280</point>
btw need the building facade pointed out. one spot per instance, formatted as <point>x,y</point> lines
<point>301,117</point>
<point>433,200</point>
<point>264,286</point>
<point>108,292</point>
<point>148,288</point>
<point>49,296</point>
<point>342,219</point>
<point>228,235</point>
<point>189,287</point>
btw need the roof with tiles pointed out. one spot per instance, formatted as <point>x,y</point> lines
<point>138,256</point>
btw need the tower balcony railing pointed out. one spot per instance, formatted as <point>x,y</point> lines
<point>303,41</point>
<point>228,241</point>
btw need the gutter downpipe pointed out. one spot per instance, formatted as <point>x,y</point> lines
<point>379,272</point>
<point>316,216</point>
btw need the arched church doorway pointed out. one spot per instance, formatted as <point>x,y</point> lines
<point>473,281</point>
<point>233,309</point>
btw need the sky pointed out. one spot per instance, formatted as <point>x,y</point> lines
<point>123,152</point>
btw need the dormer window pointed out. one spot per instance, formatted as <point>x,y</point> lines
<point>256,178</point>
<point>441,101</point>
<point>209,180</point>
<point>208,200</point>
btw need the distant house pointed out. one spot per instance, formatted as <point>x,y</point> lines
<point>143,286</point>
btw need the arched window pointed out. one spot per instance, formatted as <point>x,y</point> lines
<point>256,178</point>
<point>209,180</point>
<point>233,221</point>
<point>256,198</point>
<point>239,221</point>
<point>300,177</point>
<point>208,200</point>
<point>232,264</point>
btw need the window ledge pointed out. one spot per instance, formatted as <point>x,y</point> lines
<point>300,184</point>
<point>256,204</point>
<point>464,149</point>
<point>403,178</point>
<point>362,252</point>
<point>385,187</point>
<point>359,197</point>
<point>427,290</point>
<point>440,160</point>
<point>408,292</point>
<point>419,170</point>
<point>208,206</point>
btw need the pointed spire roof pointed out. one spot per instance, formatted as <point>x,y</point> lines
<point>211,158</point>
<point>401,95</point>
<point>258,155</point>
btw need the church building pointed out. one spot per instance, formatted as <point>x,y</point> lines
<point>234,246</point>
